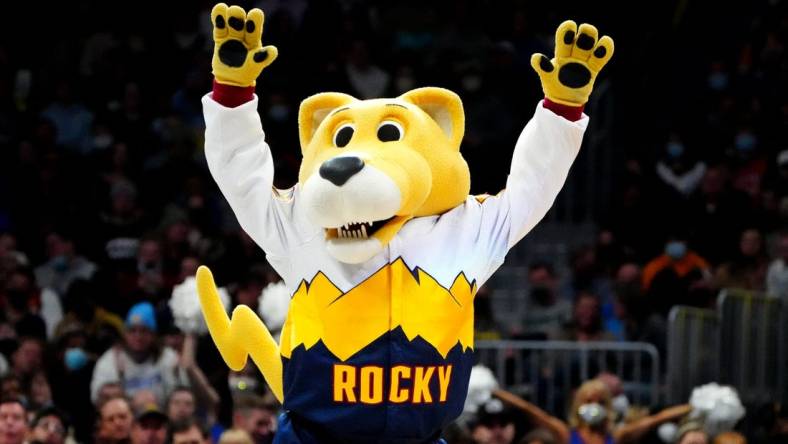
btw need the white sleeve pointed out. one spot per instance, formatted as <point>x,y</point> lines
<point>105,371</point>
<point>240,162</point>
<point>542,157</point>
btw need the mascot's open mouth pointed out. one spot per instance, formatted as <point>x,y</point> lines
<point>357,230</point>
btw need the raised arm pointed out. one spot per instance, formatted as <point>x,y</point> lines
<point>541,418</point>
<point>238,157</point>
<point>551,140</point>
<point>634,431</point>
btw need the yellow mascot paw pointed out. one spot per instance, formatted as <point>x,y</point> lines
<point>569,77</point>
<point>238,53</point>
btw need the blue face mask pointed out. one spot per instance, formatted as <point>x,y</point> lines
<point>75,358</point>
<point>676,250</point>
<point>745,142</point>
<point>674,149</point>
<point>718,81</point>
<point>60,263</point>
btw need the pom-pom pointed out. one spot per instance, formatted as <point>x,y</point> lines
<point>480,387</point>
<point>668,432</point>
<point>185,306</point>
<point>273,305</point>
<point>718,406</point>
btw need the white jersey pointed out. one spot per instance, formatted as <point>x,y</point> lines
<point>473,238</point>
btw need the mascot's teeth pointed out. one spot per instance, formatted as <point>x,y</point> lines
<point>355,230</point>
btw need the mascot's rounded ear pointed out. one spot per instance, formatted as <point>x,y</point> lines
<point>445,108</point>
<point>314,109</point>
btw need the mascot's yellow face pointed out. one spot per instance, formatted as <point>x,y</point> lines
<point>371,165</point>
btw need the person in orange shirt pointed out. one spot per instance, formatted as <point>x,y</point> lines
<point>677,276</point>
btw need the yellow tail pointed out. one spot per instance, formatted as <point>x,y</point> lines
<point>243,335</point>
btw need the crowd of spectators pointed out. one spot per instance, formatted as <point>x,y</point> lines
<point>106,202</point>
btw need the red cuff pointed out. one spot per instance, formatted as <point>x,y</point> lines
<point>571,113</point>
<point>232,96</point>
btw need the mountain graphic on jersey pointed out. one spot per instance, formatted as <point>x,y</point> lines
<point>394,296</point>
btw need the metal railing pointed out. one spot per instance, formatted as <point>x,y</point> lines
<point>547,372</point>
<point>753,333</point>
<point>693,351</point>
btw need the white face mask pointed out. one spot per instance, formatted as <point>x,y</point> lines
<point>620,404</point>
<point>592,413</point>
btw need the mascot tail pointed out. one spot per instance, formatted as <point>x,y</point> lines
<point>243,335</point>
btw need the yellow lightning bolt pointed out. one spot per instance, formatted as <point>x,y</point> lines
<point>243,335</point>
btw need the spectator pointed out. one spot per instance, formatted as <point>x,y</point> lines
<point>180,404</point>
<point>729,438</point>
<point>139,363</point>
<point>109,391</point>
<point>493,426</point>
<point>13,421</point>
<point>64,265</point>
<point>586,324</point>
<point>591,417</point>
<point>72,119</point>
<point>23,303</point>
<point>188,431</point>
<point>50,426</point>
<point>691,432</point>
<point>546,313</point>
<point>122,226</point>
<point>678,170</point>
<point>256,416</point>
<point>677,276</point>
<point>235,436</point>
<point>748,268</point>
<point>777,274</point>
<point>114,421</point>
<point>27,359</point>
<point>149,427</point>
<point>538,436</point>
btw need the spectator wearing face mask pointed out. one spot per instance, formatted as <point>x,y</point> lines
<point>546,313</point>
<point>677,170</point>
<point>64,264</point>
<point>677,276</point>
<point>70,378</point>
<point>591,417</point>
<point>747,163</point>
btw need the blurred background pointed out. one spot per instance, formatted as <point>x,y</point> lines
<point>662,266</point>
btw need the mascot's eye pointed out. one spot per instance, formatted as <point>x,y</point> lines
<point>343,135</point>
<point>389,131</point>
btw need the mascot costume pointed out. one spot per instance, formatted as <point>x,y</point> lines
<point>379,243</point>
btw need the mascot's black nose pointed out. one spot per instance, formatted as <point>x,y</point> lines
<point>339,169</point>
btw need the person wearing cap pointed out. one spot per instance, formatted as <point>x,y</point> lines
<point>139,362</point>
<point>150,426</point>
<point>50,426</point>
